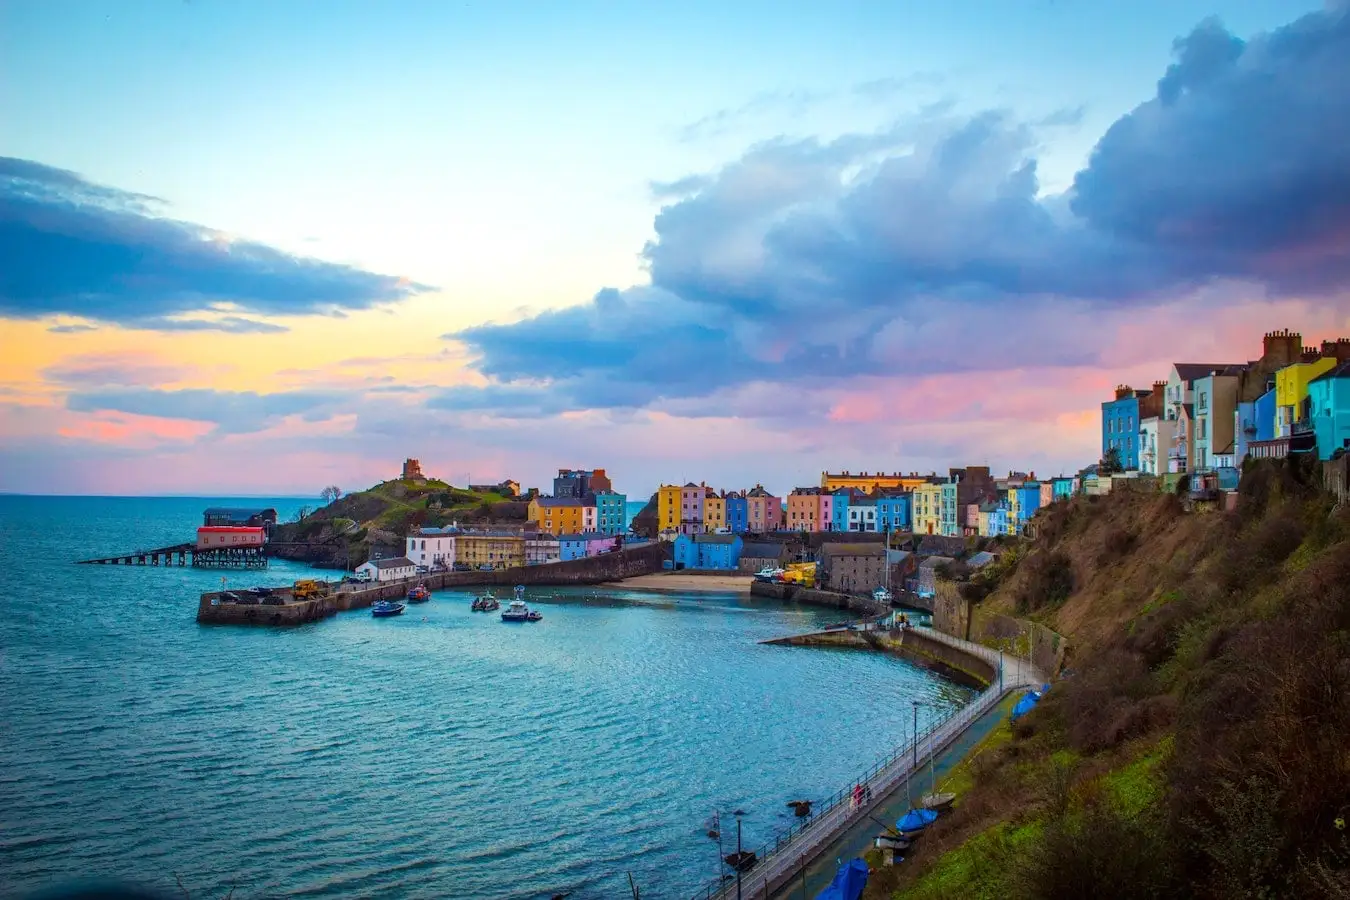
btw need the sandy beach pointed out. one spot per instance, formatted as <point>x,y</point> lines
<point>687,583</point>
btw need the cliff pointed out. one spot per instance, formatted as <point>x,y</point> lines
<point>1196,745</point>
<point>342,534</point>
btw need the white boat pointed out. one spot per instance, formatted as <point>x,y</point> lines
<point>517,611</point>
<point>881,595</point>
<point>769,573</point>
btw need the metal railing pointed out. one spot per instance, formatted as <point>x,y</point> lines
<point>802,840</point>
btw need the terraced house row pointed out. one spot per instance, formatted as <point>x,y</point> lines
<point>583,501</point>
<point>965,501</point>
<point>1209,417</point>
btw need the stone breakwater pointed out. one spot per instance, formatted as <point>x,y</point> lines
<point>917,645</point>
<point>607,567</point>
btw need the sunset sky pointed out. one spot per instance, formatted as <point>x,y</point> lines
<point>257,247</point>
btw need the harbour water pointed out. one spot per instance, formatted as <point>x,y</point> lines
<point>441,753</point>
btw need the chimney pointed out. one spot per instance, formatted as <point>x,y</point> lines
<point>1123,391</point>
<point>1281,348</point>
<point>1339,349</point>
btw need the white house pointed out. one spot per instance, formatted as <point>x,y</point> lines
<point>862,516</point>
<point>433,547</point>
<point>542,548</point>
<point>1155,438</point>
<point>387,569</point>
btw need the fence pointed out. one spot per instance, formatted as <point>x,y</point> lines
<point>781,859</point>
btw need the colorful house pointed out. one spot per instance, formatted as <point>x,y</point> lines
<point>560,515</point>
<point>949,521</point>
<point>1291,392</point>
<point>598,542</point>
<point>839,501</point>
<point>764,510</point>
<point>691,508</point>
<point>871,482</point>
<point>927,508</point>
<point>862,514</point>
<point>714,511</point>
<point>1028,501</point>
<point>1064,487</point>
<point>1120,426</point>
<point>571,546</point>
<point>804,510</point>
<point>1215,412</point>
<point>611,512</point>
<point>893,512</point>
<point>998,520</point>
<point>498,549</point>
<point>668,507</point>
<point>1156,434</point>
<point>708,551</point>
<point>1255,422</point>
<point>1329,410</point>
<point>738,512</point>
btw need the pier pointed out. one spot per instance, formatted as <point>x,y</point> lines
<point>188,554</point>
<point>783,860</point>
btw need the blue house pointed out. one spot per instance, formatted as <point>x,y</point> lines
<point>611,512</point>
<point>1120,426</point>
<point>839,509</point>
<point>1329,410</point>
<point>1028,501</point>
<point>893,513</point>
<point>738,513</point>
<point>708,551</point>
<point>1063,488</point>
<point>571,546</point>
<point>998,519</point>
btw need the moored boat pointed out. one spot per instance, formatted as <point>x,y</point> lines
<point>938,802</point>
<point>485,603</point>
<point>382,609</point>
<point>885,841</point>
<point>419,594</point>
<point>517,611</point>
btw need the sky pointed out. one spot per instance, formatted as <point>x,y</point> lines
<point>251,247</point>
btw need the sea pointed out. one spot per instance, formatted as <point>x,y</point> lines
<point>442,753</point>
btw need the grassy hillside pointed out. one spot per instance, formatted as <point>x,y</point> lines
<point>1200,744</point>
<point>347,528</point>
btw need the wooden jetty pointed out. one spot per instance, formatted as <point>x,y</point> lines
<point>189,554</point>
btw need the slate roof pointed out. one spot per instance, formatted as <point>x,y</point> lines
<point>832,550</point>
<point>932,562</point>
<point>761,550</point>
<point>1192,371</point>
<point>397,562</point>
<point>714,538</point>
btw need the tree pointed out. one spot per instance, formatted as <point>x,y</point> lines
<point>330,493</point>
<point>301,513</point>
<point>1110,463</point>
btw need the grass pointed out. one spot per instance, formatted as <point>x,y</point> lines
<point>977,869</point>
<point>1135,787</point>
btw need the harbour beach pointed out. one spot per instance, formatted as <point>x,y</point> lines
<point>686,583</point>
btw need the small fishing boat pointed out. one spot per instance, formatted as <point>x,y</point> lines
<point>938,802</point>
<point>382,609</point>
<point>517,611</point>
<point>885,841</point>
<point>485,603</point>
<point>419,594</point>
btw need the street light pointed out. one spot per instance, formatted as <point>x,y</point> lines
<point>739,860</point>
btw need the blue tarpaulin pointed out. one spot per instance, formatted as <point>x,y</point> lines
<point>848,882</point>
<point>916,820</point>
<point>1026,704</point>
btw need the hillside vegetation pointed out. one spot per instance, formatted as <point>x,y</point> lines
<point>1199,743</point>
<point>347,529</point>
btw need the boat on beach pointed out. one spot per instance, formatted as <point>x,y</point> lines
<point>419,594</point>
<point>383,609</point>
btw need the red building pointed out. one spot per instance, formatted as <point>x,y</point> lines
<point>214,537</point>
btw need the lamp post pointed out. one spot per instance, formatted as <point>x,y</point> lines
<point>739,860</point>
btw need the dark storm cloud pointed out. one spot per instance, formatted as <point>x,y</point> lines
<point>68,246</point>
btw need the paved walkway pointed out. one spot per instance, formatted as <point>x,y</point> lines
<point>783,859</point>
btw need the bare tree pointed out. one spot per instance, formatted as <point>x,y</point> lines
<point>301,513</point>
<point>330,493</point>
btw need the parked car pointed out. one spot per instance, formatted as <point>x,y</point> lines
<point>463,567</point>
<point>260,591</point>
<point>485,567</point>
<point>422,570</point>
<point>229,597</point>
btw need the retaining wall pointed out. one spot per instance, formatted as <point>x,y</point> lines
<point>791,593</point>
<point>958,617</point>
<point>911,643</point>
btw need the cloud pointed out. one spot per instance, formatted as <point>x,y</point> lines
<point>114,369</point>
<point>232,412</point>
<point>930,244</point>
<point>71,247</point>
<point>227,324</point>
<point>76,328</point>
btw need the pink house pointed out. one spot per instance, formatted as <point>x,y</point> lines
<point>764,512</point>
<point>691,508</point>
<point>598,542</point>
<point>1047,493</point>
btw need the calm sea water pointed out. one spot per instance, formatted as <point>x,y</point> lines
<point>442,753</point>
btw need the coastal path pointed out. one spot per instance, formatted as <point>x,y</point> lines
<point>782,860</point>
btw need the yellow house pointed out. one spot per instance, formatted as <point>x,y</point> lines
<point>927,500</point>
<point>714,512</point>
<point>870,482</point>
<point>498,550</point>
<point>558,515</point>
<point>983,529</point>
<point>1291,389</point>
<point>668,507</point>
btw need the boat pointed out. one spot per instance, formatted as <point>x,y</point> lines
<point>881,595</point>
<point>419,594</point>
<point>517,611</point>
<point>382,609</point>
<point>938,802</point>
<point>485,603</point>
<point>769,573</point>
<point>885,841</point>
<point>915,821</point>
